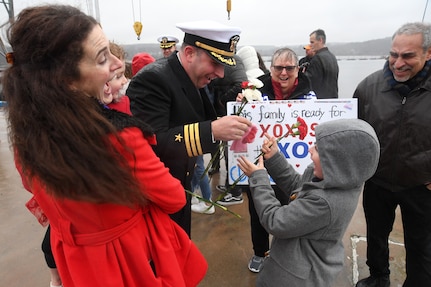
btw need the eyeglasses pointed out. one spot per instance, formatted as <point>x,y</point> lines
<point>279,69</point>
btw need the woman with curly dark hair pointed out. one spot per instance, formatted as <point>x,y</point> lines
<point>91,169</point>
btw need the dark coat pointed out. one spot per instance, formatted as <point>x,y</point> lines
<point>402,124</point>
<point>323,73</point>
<point>163,95</point>
<point>226,89</point>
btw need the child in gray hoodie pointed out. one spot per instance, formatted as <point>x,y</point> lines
<point>307,248</point>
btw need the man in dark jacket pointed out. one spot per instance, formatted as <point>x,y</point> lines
<point>323,68</point>
<point>169,95</point>
<point>396,101</point>
<point>304,62</point>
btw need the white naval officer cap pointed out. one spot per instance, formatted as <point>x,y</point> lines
<point>218,40</point>
<point>167,42</point>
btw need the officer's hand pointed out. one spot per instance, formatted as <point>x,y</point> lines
<point>230,128</point>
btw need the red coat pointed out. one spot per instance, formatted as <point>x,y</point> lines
<point>122,106</point>
<point>111,245</point>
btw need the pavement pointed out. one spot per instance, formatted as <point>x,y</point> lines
<point>223,238</point>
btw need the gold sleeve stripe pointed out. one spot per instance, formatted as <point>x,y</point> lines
<point>186,141</point>
<point>198,139</point>
<point>192,140</point>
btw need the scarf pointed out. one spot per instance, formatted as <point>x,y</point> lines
<point>404,88</point>
<point>121,121</point>
<point>278,92</point>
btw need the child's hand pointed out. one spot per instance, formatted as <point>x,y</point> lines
<point>269,147</point>
<point>248,167</point>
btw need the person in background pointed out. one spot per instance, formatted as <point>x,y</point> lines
<point>140,60</point>
<point>285,82</point>
<point>91,169</point>
<point>128,74</point>
<point>170,95</point>
<point>262,65</point>
<point>115,86</point>
<point>168,45</point>
<point>128,71</point>
<point>226,90</point>
<point>323,69</point>
<point>307,248</point>
<point>55,280</point>
<point>396,102</point>
<point>305,61</point>
<point>260,240</point>
<point>201,181</point>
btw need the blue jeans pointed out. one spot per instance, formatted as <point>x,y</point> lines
<point>203,183</point>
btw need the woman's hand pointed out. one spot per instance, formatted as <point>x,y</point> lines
<point>248,167</point>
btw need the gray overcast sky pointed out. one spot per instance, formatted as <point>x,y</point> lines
<point>263,22</point>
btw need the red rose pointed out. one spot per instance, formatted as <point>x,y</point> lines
<point>244,85</point>
<point>302,128</point>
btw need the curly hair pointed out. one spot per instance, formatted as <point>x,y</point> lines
<point>58,133</point>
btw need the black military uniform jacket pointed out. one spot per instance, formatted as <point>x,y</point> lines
<point>163,95</point>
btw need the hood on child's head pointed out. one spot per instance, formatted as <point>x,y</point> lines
<point>349,152</point>
<point>140,60</point>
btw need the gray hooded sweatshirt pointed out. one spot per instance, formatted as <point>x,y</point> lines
<point>307,248</point>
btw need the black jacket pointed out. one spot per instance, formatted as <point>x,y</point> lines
<point>163,95</point>
<point>402,123</point>
<point>227,88</point>
<point>323,73</point>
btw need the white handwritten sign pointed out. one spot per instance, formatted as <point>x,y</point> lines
<point>278,118</point>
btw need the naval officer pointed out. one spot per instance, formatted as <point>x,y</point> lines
<point>168,45</point>
<point>169,95</point>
